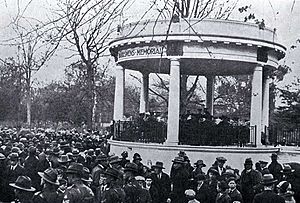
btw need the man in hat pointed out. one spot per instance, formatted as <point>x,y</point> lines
<point>90,159</point>
<point>3,162</point>
<point>77,157</point>
<point>161,185</point>
<point>86,177</point>
<point>198,168</point>
<point>13,171</point>
<point>44,162</point>
<point>54,157</point>
<point>77,192</point>
<point>64,163</point>
<point>105,146</point>
<point>113,192</point>
<point>179,179</point>
<point>275,167</point>
<point>250,180</point>
<point>268,195</point>
<point>220,162</point>
<point>23,189</point>
<point>50,185</point>
<point>131,187</point>
<point>102,164</point>
<point>31,166</point>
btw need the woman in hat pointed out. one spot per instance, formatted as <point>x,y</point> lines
<point>212,181</point>
<point>50,185</point>
<point>179,178</point>
<point>198,168</point>
<point>289,175</point>
<point>137,159</point>
<point>284,190</point>
<point>23,189</point>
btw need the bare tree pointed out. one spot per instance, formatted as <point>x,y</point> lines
<point>199,9</point>
<point>87,26</point>
<point>35,46</point>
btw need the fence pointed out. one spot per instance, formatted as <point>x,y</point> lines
<point>284,136</point>
<point>208,134</point>
<point>148,132</point>
<point>204,134</point>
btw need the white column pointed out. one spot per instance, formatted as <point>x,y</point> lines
<point>266,105</point>
<point>174,103</point>
<point>256,103</point>
<point>144,99</point>
<point>119,93</point>
<point>210,89</point>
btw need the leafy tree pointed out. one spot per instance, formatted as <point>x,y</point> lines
<point>288,114</point>
<point>11,87</point>
<point>233,96</point>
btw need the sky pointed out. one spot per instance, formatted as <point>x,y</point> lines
<point>284,15</point>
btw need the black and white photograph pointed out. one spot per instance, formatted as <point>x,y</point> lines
<point>149,101</point>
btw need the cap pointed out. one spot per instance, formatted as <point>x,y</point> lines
<point>140,178</point>
<point>221,159</point>
<point>190,193</point>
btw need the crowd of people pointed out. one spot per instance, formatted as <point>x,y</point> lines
<point>70,166</point>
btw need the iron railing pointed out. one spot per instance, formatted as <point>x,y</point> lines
<point>284,136</point>
<point>199,134</point>
<point>148,132</point>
